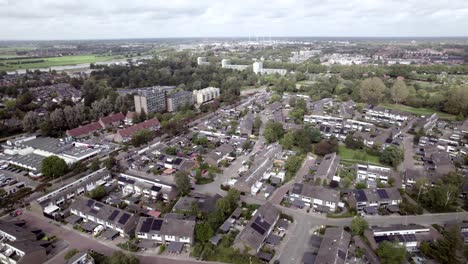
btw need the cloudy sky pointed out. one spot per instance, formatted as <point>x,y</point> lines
<point>98,19</point>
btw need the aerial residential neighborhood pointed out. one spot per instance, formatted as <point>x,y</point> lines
<point>297,150</point>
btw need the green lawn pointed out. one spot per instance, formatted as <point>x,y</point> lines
<point>417,111</point>
<point>55,61</point>
<point>357,156</point>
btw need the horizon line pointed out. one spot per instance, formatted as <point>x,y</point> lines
<point>253,38</point>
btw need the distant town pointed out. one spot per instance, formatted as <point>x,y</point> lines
<point>249,150</point>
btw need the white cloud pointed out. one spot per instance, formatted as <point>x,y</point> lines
<point>84,19</point>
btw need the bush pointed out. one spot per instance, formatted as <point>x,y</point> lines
<point>70,253</point>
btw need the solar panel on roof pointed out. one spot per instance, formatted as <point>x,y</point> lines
<point>157,223</point>
<point>100,205</point>
<point>113,215</point>
<point>360,196</point>
<point>146,226</point>
<point>122,179</point>
<point>259,221</point>
<point>90,203</point>
<point>130,181</point>
<point>379,239</point>
<point>258,228</point>
<point>177,161</point>
<point>341,254</point>
<point>93,211</point>
<point>155,188</point>
<point>382,194</point>
<point>124,218</point>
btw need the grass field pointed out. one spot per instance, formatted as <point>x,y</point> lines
<point>356,156</point>
<point>417,111</point>
<point>55,61</point>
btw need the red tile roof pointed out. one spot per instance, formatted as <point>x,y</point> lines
<point>84,130</point>
<point>148,124</point>
<point>110,119</point>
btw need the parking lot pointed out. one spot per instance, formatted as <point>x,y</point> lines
<point>19,176</point>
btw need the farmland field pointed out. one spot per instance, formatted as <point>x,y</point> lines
<point>32,63</point>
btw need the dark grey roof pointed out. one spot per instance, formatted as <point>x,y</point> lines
<point>17,230</point>
<point>215,240</point>
<point>315,241</point>
<point>258,227</point>
<point>175,247</point>
<point>102,211</point>
<point>329,166</point>
<point>73,219</point>
<point>144,243</point>
<point>273,239</point>
<point>309,258</point>
<point>318,192</point>
<point>282,223</point>
<point>173,227</point>
<point>334,246</point>
<point>90,226</point>
<point>264,256</point>
<point>110,234</point>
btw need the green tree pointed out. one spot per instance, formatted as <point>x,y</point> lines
<point>97,193</point>
<point>183,182</point>
<point>399,91</point>
<point>457,101</point>
<point>171,151</point>
<point>326,146</point>
<point>54,166</point>
<point>372,90</point>
<point>95,165</point>
<point>358,226</point>
<point>118,257</point>
<point>392,156</point>
<point>142,137</point>
<point>288,140</point>
<point>70,253</point>
<point>273,132</point>
<point>391,253</point>
<point>292,165</point>
<point>203,232</point>
<point>447,250</point>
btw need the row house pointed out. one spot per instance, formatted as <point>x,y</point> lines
<point>373,173</point>
<point>260,226</point>
<point>316,197</point>
<point>369,200</point>
<point>132,184</point>
<point>102,214</point>
<point>51,202</point>
<point>381,115</point>
<point>410,236</point>
<point>166,230</point>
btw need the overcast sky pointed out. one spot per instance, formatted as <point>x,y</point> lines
<point>98,19</point>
